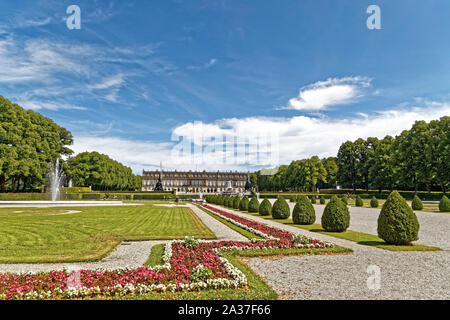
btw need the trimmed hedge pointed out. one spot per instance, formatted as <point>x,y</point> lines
<point>359,202</point>
<point>280,209</point>
<point>397,222</point>
<point>76,189</point>
<point>344,200</point>
<point>313,199</point>
<point>253,205</point>
<point>303,212</point>
<point>374,202</point>
<point>243,205</point>
<point>416,203</point>
<point>24,196</point>
<point>265,208</point>
<point>444,204</point>
<point>409,195</point>
<point>335,217</point>
<point>322,200</point>
<point>236,202</point>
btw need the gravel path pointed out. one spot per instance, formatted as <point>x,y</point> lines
<point>403,275</point>
<point>221,231</point>
<point>129,254</point>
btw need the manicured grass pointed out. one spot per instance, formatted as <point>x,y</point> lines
<point>31,237</point>
<point>243,232</point>
<point>155,257</point>
<point>256,289</point>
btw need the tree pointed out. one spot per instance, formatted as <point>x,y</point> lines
<point>101,173</point>
<point>382,172</point>
<point>414,153</point>
<point>28,143</point>
<point>440,137</point>
<point>397,222</point>
<point>348,174</point>
<point>331,168</point>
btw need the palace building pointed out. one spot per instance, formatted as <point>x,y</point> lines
<point>196,181</point>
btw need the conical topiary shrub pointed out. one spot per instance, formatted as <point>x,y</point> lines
<point>292,198</point>
<point>230,202</point>
<point>374,202</point>
<point>303,212</point>
<point>359,202</point>
<point>243,205</point>
<point>444,204</point>
<point>335,217</point>
<point>236,202</point>
<point>265,208</point>
<point>397,222</point>
<point>313,199</point>
<point>253,205</point>
<point>416,203</point>
<point>322,200</point>
<point>344,200</point>
<point>280,209</point>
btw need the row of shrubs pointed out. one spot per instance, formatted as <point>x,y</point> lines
<point>409,195</point>
<point>397,222</point>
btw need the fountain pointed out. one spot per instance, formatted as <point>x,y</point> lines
<point>55,180</point>
<point>56,177</point>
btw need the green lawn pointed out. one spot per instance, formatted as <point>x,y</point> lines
<point>31,236</point>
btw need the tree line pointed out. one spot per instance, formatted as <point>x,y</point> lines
<point>30,141</point>
<point>416,159</point>
<point>101,173</point>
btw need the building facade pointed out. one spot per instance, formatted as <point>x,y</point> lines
<point>195,181</point>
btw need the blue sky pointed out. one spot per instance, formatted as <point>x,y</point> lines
<point>140,74</point>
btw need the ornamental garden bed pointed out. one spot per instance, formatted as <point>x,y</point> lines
<point>188,265</point>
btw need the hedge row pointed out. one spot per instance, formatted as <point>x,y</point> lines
<point>97,196</point>
<point>423,195</point>
<point>24,196</point>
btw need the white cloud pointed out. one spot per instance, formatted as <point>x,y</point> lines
<point>299,137</point>
<point>206,65</point>
<point>113,81</point>
<point>34,22</point>
<point>111,85</point>
<point>334,91</point>
<point>54,106</point>
<point>39,60</point>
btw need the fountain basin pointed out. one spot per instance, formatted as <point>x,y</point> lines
<point>65,203</point>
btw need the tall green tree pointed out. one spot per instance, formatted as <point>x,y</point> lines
<point>28,143</point>
<point>101,173</point>
<point>348,174</point>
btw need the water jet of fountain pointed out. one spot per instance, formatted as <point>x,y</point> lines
<point>56,178</point>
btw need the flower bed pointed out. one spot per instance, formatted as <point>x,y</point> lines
<point>187,265</point>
